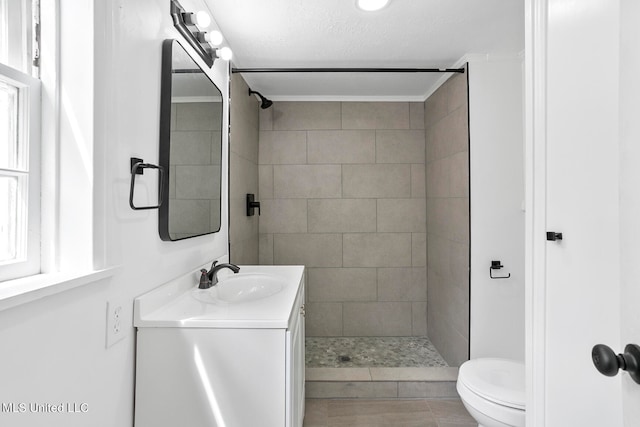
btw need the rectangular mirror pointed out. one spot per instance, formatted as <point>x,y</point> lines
<point>191,111</point>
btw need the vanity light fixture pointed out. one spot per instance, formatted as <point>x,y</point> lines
<point>190,26</point>
<point>213,38</point>
<point>223,53</point>
<point>201,19</point>
<point>371,5</point>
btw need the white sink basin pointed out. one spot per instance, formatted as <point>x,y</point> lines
<point>241,288</point>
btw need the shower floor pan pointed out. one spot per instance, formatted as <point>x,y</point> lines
<point>377,367</point>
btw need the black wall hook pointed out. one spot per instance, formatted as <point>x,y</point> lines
<point>495,265</point>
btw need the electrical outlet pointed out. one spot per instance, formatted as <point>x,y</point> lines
<point>116,328</point>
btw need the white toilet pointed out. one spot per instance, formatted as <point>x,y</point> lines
<point>493,391</point>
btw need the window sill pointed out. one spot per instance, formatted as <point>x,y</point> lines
<point>21,291</point>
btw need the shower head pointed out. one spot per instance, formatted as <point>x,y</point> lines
<point>266,103</point>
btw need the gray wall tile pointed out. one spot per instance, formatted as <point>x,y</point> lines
<point>265,251</point>
<point>375,115</point>
<point>307,181</point>
<point>419,249</point>
<point>402,284</point>
<point>243,229</point>
<point>416,115</point>
<point>342,215</point>
<point>323,319</point>
<point>342,284</point>
<point>438,177</point>
<point>306,115</point>
<point>459,175</point>
<point>436,107</point>
<point>418,181</point>
<point>419,318</point>
<point>459,219</point>
<point>311,250</point>
<point>364,319</point>
<point>243,170</point>
<point>243,139</point>
<point>391,181</point>
<point>377,250</point>
<point>265,182</point>
<point>447,188</point>
<point>457,92</point>
<point>408,215</point>
<point>283,216</point>
<point>340,182</point>
<point>400,146</point>
<point>459,264</point>
<point>341,146</point>
<point>437,212</point>
<point>266,119</point>
<point>438,255</point>
<point>283,147</point>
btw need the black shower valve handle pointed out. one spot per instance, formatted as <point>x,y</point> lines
<point>252,205</point>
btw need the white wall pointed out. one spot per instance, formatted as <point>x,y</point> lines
<point>496,196</point>
<point>53,349</point>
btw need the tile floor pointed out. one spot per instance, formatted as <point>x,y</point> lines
<point>387,413</point>
<point>371,352</point>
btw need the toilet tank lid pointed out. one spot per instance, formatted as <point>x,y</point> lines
<point>498,380</point>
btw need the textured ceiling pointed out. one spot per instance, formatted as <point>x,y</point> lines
<point>334,33</point>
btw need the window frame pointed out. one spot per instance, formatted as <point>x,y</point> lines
<point>71,254</point>
<point>30,94</point>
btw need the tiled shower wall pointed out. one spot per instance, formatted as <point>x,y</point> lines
<point>447,184</point>
<point>243,170</point>
<point>342,187</point>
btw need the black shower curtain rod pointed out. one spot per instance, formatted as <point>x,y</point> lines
<point>347,70</point>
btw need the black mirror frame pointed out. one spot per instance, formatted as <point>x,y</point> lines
<point>165,134</point>
<point>164,156</point>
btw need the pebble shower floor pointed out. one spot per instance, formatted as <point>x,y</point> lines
<point>370,352</point>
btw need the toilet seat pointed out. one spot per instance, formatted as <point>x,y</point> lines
<point>500,381</point>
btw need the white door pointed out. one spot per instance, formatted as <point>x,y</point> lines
<point>583,158</point>
<point>630,196</point>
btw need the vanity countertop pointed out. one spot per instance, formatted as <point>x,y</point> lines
<point>173,305</point>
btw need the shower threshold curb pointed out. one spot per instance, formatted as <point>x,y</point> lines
<point>388,383</point>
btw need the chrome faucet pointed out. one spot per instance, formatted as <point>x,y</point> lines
<point>210,278</point>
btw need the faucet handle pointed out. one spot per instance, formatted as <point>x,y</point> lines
<point>213,264</point>
<point>205,282</point>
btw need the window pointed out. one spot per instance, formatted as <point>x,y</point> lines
<point>19,142</point>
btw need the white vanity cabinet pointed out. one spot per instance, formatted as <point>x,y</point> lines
<point>236,365</point>
<point>295,363</point>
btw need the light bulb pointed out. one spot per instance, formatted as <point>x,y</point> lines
<point>371,5</point>
<point>202,19</point>
<point>215,38</point>
<point>224,53</point>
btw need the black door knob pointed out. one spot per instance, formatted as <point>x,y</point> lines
<point>608,363</point>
